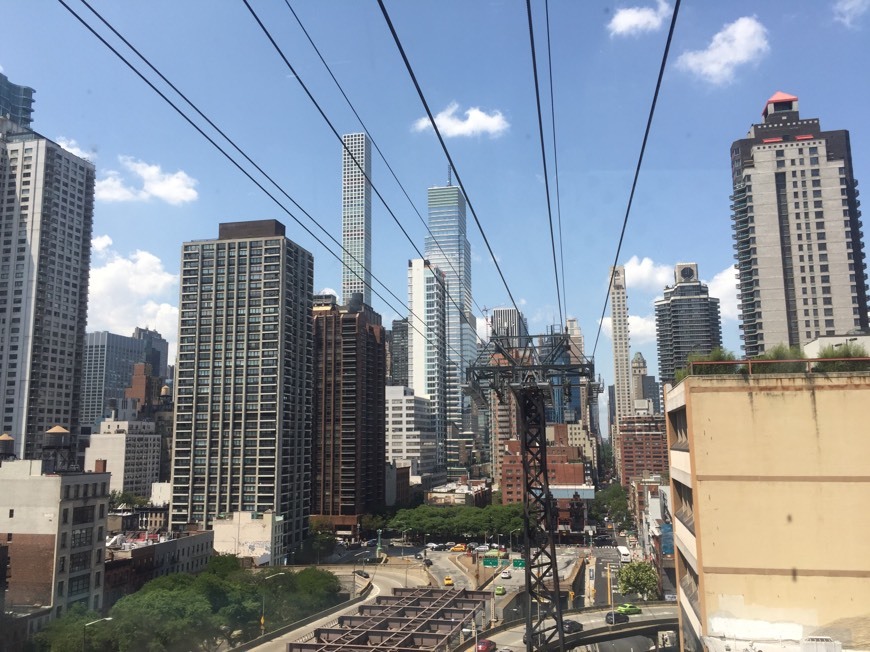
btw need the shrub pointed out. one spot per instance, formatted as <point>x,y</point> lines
<point>845,350</point>
<point>792,355</point>
<point>716,355</point>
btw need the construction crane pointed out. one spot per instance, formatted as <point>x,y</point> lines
<point>511,366</point>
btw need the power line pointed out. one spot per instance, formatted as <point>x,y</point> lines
<point>227,155</point>
<point>544,158</point>
<point>346,148</point>
<point>374,142</point>
<point>652,110</point>
<point>556,160</point>
<point>444,147</point>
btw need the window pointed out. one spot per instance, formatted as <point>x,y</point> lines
<point>83,514</point>
<point>79,585</point>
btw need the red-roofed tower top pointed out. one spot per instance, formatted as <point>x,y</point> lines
<point>780,101</point>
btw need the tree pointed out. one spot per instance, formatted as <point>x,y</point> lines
<point>65,633</point>
<point>845,350</point>
<point>640,578</point>
<point>781,352</point>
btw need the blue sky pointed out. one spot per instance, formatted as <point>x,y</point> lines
<point>160,183</point>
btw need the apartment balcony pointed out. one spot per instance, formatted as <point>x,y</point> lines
<point>689,590</point>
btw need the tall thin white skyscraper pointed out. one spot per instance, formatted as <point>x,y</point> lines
<point>47,218</point>
<point>356,218</point>
<point>621,356</point>
<point>243,384</point>
<point>449,250</point>
<point>427,345</point>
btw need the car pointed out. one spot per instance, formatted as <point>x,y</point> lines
<point>493,546</point>
<point>362,573</point>
<point>371,543</point>
<point>500,590</point>
<point>506,574</point>
<point>486,645</point>
<point>571,626</point>
<point>505,649</point>
<point>628,608</point>
<point>427,562</point>
<point>450,544</point>
<point>481,549</point>
<point>615,617</point>
<point>439,546</point>
<point>459,547</point>
<point>419,555</point>
<point>448,581</point>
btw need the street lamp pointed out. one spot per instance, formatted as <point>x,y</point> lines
<point>404,541</point>
<point>263,609</point>
<point>85,632</point>
<point>511,536</point>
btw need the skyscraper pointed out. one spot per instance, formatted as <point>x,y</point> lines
<point>399,353</point>
<point>644,388</point>
<point>107,372</point>
<point>356,217</point>
<point>797,232</point>
<point>48,214</point>
<point>687,321</point>
<point>427,345</point>
<point>449,250</point>
<point>621,361</point>
<point>510,322</point>
<point>349,456</point>
<point>16,102</point>
<point>244,381</point>
<point>156,350</point>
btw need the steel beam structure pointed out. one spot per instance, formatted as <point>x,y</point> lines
<point>505,366</point>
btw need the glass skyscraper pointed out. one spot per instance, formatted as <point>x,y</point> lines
<point>449,250</point>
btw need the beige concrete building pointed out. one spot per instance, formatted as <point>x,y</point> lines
<point>769,481</point>
<point>131,449</point>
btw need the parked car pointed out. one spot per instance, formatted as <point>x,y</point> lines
<point>481,549</point>
<point>362,573</point>
<point>448,581</point>
<point>450,544</point>
<point>615,617</point>
<point>439,546</point>
<point>571,626</point>
<point>486,645</point>
<point>459,547</point>
<point>506,574</point>
<point>500,590</point>
<point>628,608</point>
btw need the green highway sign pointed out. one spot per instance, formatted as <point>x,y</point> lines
<point>490,562</point>
<point>519,563</point>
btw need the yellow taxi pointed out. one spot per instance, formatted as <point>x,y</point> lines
<point>448,581</point>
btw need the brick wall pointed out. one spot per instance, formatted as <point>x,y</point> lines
<point>31,567</point>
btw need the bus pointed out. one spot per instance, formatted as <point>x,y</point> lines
<point>624,554</point>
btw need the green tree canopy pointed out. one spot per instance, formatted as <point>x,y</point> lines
<point>640,578</point>
<point>459,521</point>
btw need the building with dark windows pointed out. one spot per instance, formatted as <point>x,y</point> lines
<point>797,231</point>
<point>398,367</point>
<point>687,321</point>
<point>447,248</point>
<point>643,447</point>
<point>16,102</point>
<point>48,214</point>
<point>156,350</point>
<point>349,444</point>
<point>356,217</point>
<point>243,382</point>
<point>107,372</point>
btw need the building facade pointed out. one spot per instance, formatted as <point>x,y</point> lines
<point>643,447</point>
<point>756,462</point>
<point>244,381</point>
<point>48,213</point>
<point>410,430</point>
<point>398,372</point>
<point>156,350</point>
<point>107,373</point>
<point>687,322</point>
<point>797,231</point>
<point>16,102</point>
<point>131,450</point>
<point>644,387</point>
<point>348,450</point>
<point>427,346</point>
<point>356,217</point>
<point>447,248</point>
<point>623,400</point>
<point>54,526</point>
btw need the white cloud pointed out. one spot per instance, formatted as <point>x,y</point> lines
<point>641,329</point>
<point>475,123</point>
<point>738,43</point>
<point>635,20</point>
<point>848,11</point>
<point>101,243</point>
<point>172,187</point>
<point>126,292</point>
<point>483,329</point>
<point>328,291</point>
<point>647,275</point>
<point>724,287</point>
<point>72,147</point>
